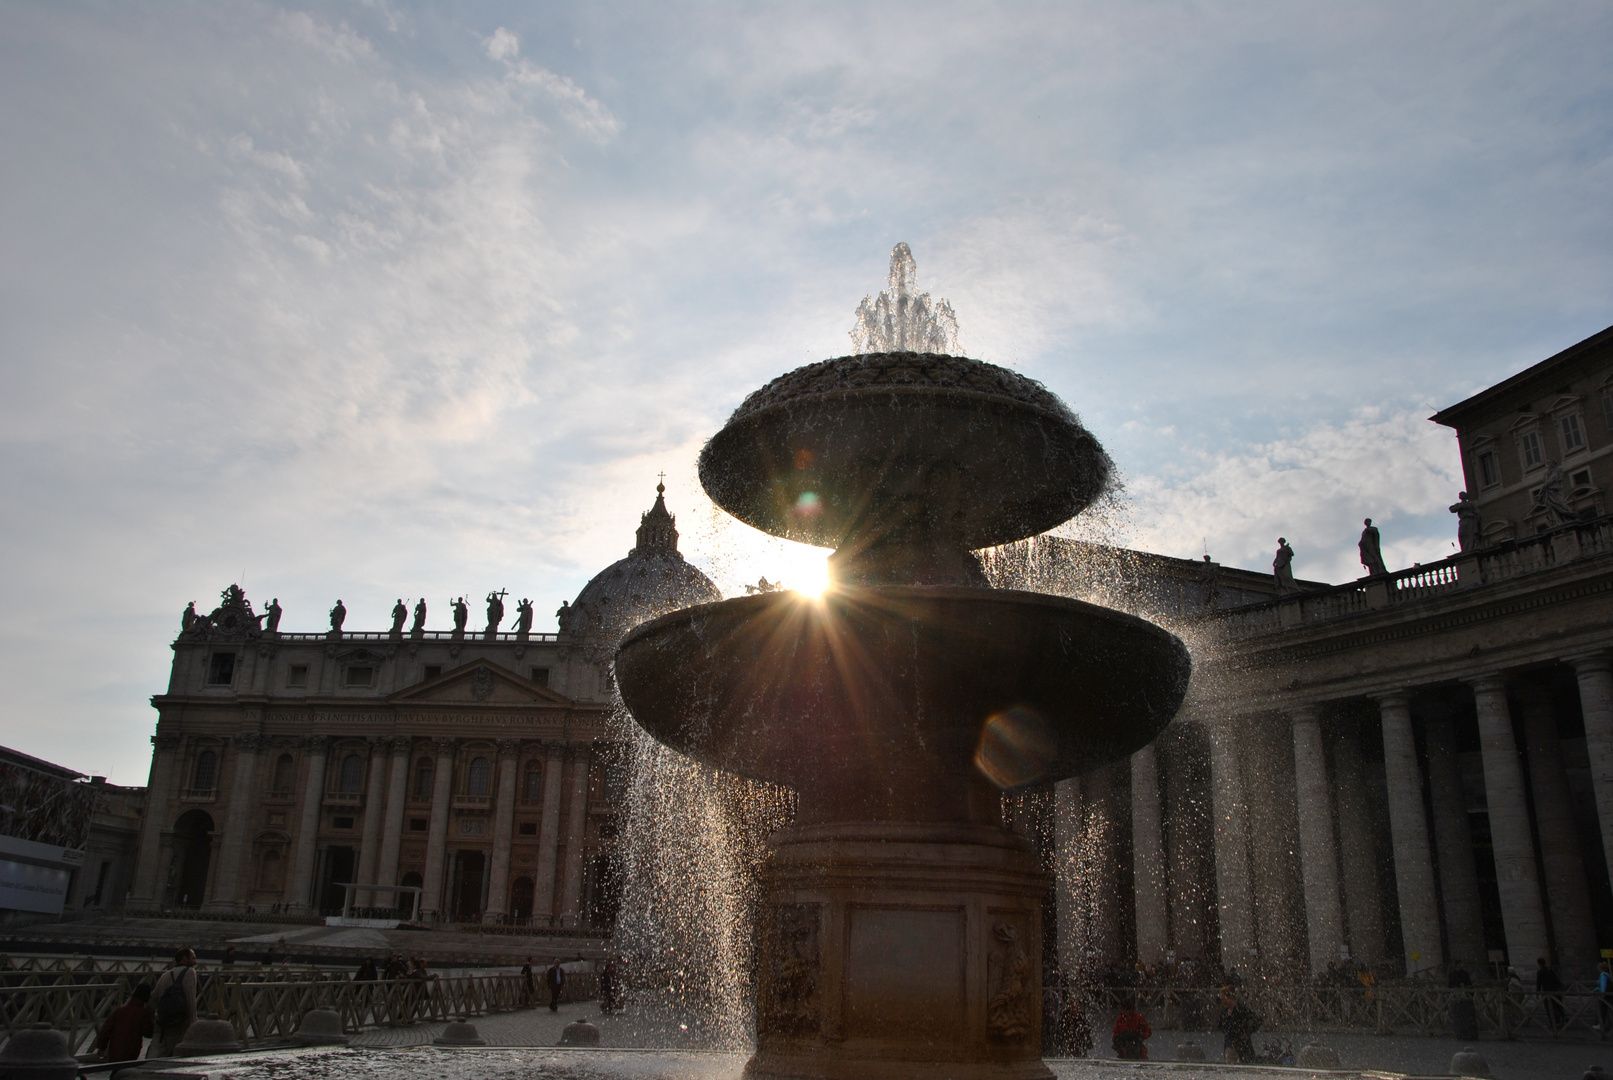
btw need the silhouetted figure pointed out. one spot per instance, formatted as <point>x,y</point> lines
<point>523,619</point>
<point>419,627</point>
<point>495,612</point>
<point>563,617</point>
<point>1238,1023</point>
<point>271,617</point>
<point>1282,566</point>
<point>555,980</point>
<point>1551,494</point>
<point>1469,522</point>
<point>1550,988</point>
<point>461,617</point>
<point>400,612</point>
<point>1371,548</point>
<point>338,615</point>
<point>187,619</point>
<point>126,1029</point>
<point>1131,1034</point>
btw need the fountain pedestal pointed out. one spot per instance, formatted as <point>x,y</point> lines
<point>900,950</point>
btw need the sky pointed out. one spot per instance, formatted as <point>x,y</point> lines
<point>380,300</point>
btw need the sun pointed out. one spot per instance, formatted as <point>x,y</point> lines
<point>806,570</point>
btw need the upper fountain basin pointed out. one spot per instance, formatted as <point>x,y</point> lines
<point>876,703</point>
<point>963,453</point>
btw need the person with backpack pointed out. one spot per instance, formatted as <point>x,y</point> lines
<point>126,1030</point>
<point>175,997</point>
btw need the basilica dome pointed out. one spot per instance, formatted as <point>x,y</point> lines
<point>653,580</point>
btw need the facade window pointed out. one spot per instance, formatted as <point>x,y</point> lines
<point>527,828</point>
<point>221,669</point>
<point>360,676</point>
<point>1581,479</point>
<point>540,675</point>
<point>206,771</point>
<point>285,773</point>
<point>481,775</point>
<point>433,670</point>
<point>1607,409</point>
<point>532,790</point>
<point>1533,455</point>
<point>422,779</point>
<point>352,777</point>
<point>297,675</point>
<point>1489,475</point>
<point>1573,430</point>
<point>342,823</point>
<point>417,824</point>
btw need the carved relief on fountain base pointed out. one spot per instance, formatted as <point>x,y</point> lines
<point>896,949</point>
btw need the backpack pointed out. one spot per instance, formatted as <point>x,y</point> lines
<point>173,1006</point>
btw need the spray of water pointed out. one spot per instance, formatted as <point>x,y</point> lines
<point>902,319</point>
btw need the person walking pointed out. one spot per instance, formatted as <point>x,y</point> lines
<point>610,989</point>
<point>1550,989</point>
<point>1463,1010</point>
<point>528,981</point>
<point>1238,1024</point>
<point>555,980</point>
<point>127,1029</point>
<point>174,998</point>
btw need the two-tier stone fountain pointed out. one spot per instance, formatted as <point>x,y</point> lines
<point>901,923</point>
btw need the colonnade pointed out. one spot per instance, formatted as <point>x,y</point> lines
<point>381,841</point>
<point>1312,865</point>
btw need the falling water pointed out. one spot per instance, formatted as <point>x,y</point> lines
<point>902,319</point>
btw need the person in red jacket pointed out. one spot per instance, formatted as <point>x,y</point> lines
<point>127,1028</point>
<point>1131,1031</point>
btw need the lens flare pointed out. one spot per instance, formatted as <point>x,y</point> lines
<point>1016,748</point>
<point>808,505</point>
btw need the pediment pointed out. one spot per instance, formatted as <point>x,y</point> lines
<point>480,682</point>
<point>1565,403</point>
<point>1525,420</point>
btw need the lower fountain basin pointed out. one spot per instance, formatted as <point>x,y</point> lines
<point>871,701</point>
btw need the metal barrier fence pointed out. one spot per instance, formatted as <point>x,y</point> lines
<point>1380,1010</point>
<point>261,1010</point>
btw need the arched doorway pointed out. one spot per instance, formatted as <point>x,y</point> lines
<point>193,854</point>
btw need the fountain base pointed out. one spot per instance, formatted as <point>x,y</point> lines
<point>900,949</point>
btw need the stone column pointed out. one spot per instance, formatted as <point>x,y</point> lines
<point>548,836</point>
<point>442,795</point>
<point>1276,881</point>
<point>1319,868</point>
<point>298,894</point>
<point>370,842</point>
<point>229,882</point>
<point>1148,858</point>
<point>1358,851</point>
<point>1183,808</point>
<point>1458,874</point>
<point>1568,899</point>
<point>576,840</point>
<point>1408,828</point>
<point>159,792</point>
<point>1515,872</point>
<point>397,798</point>
<point>1067,869</point>
<point>1595,675</point>
<point>498,887</point>
<point>1231,848</point>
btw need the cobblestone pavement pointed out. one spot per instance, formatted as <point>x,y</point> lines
<point>1392,1054</point>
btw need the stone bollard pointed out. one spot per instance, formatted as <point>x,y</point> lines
<point>209,1035</point>
<point>580,1033</point>
<point>460,1032</point>
<point>37,1053</point>
<point>1467,1062</point>
<point>1316,1056</point>
<point>321,1027</point>
<point>1189,1051</point>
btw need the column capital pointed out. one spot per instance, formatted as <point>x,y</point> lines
<point>1393,699</point>
<point>445,744</point>
<point>1493,683</point>
<point>401,744</point>
<point>249,743</point>
<point>1310,715</point>
<point>166,741</point>
<point>508,748</point>
<point>1582,663</point>
<point>317,744</point>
